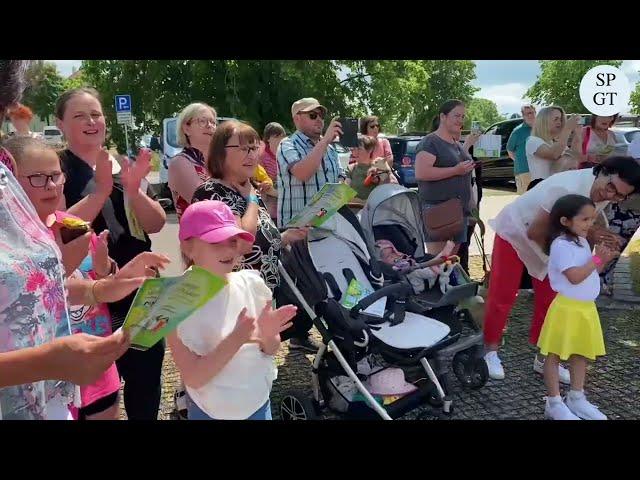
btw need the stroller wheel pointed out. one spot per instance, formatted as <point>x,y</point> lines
<point>471,371</point>
<point>296,405</point>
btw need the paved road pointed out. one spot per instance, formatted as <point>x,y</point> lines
<point>613,381</point>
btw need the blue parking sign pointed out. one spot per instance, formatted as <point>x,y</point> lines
<point>123,103</point>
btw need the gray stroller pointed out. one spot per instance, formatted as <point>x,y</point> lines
<point>376,336</point>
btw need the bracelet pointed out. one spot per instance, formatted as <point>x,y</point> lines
<point>597,260</point>
<point>93,292</point>
<point>253,198</point>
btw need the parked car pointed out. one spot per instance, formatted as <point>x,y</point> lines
<point>403,148</point>
<point>501,168</point>
<point>624,136</point>
<point>52,136</point>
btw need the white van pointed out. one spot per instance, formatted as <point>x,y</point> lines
<point>52,135</point>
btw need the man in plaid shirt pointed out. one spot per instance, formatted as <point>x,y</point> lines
<point>306,160</point>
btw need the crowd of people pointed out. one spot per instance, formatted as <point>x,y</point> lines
<point>63,353</point>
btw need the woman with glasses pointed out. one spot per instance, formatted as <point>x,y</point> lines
<point>370,126</point>
<point>127,212</point>
<point>522,228</point>
<point>233,156</point>
<point>188,170</point>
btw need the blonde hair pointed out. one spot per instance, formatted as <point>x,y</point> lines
<point>187,114</point>
<point>542,127</point>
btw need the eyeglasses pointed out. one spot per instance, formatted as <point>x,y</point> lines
<point>247,149</point>
<point>313,115</point>
<point>614,192</point>
<point>203,122</point>
<point>375,125</point>
<point>40,180</point>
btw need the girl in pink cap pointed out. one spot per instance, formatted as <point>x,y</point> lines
<point>224,351</point>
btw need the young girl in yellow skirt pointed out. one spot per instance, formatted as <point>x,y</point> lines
<point>571,328</point>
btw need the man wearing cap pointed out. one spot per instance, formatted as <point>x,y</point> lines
<point>306,159</point>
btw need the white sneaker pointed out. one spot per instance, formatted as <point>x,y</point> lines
<point>558,411</point>
<point>584,409</point>
<point>563,373</point>
<point>495,365</point>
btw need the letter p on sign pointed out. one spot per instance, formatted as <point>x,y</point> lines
<point>605,90</point>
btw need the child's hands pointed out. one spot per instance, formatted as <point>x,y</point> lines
<point>272,322</point>
<point>245,328</point>
<point>605,253</point>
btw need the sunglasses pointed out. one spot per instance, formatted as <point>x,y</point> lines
<point>313,115</point>
<point>374,125</point>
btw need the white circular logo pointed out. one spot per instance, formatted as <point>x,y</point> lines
<point>605,90</point>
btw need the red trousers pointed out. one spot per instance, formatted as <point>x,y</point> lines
<point>504,283</point>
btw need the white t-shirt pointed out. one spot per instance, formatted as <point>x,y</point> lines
<point>513,221</point>
<point>538,167</point>
<point>244,384</point>
<point>566,254</point>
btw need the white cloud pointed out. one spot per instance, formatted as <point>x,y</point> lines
<point>507,97</point>
<point>65,67</point>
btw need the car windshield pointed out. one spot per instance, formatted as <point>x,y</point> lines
<point>411,146</point>
<point>632,135</point>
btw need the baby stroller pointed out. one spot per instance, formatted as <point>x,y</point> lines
<point>392,213</point>
<point>369,365</point>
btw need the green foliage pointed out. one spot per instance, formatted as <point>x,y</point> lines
<point>483,111</point>
<point>559,82</point>
<point>44,86</point>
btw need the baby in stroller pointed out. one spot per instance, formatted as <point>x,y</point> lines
<point>438,268</point>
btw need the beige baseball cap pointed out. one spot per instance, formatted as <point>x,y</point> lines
<point>306,105</point>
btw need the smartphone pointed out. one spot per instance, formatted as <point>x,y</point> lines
<point>475,127</point>
<point>349,137</point>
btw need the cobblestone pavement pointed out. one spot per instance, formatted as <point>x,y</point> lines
<point>613,382</point>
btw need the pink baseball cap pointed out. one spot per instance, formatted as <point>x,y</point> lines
<point>211,221</point>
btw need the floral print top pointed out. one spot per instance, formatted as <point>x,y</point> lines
<point>32,298</point>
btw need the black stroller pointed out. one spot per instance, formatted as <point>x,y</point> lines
<point>377,334</point>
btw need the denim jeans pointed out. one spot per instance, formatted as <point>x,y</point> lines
<point>195,413</point>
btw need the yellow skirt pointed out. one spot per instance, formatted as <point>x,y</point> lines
<point>571,327</point>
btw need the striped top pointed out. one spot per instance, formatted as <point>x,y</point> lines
<point>294,194</point>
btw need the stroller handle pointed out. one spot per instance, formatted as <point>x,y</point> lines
<point>401,289</point>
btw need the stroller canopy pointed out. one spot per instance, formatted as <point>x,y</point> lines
<point>393,204</point>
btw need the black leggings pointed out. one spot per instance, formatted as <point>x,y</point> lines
<point>98,406</point>
<point>142,374</point>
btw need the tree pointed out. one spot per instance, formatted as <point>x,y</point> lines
<point>483,111</point>
<point>559,82</point>
<point>257,91</point>
<point>408,93</point>
<point>44,86</point>
<point>635,99</point>
<point>261,91</point>
<point>76,80</point>
<point>448,79</point>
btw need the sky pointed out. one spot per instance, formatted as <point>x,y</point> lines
<point>502,81</point>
